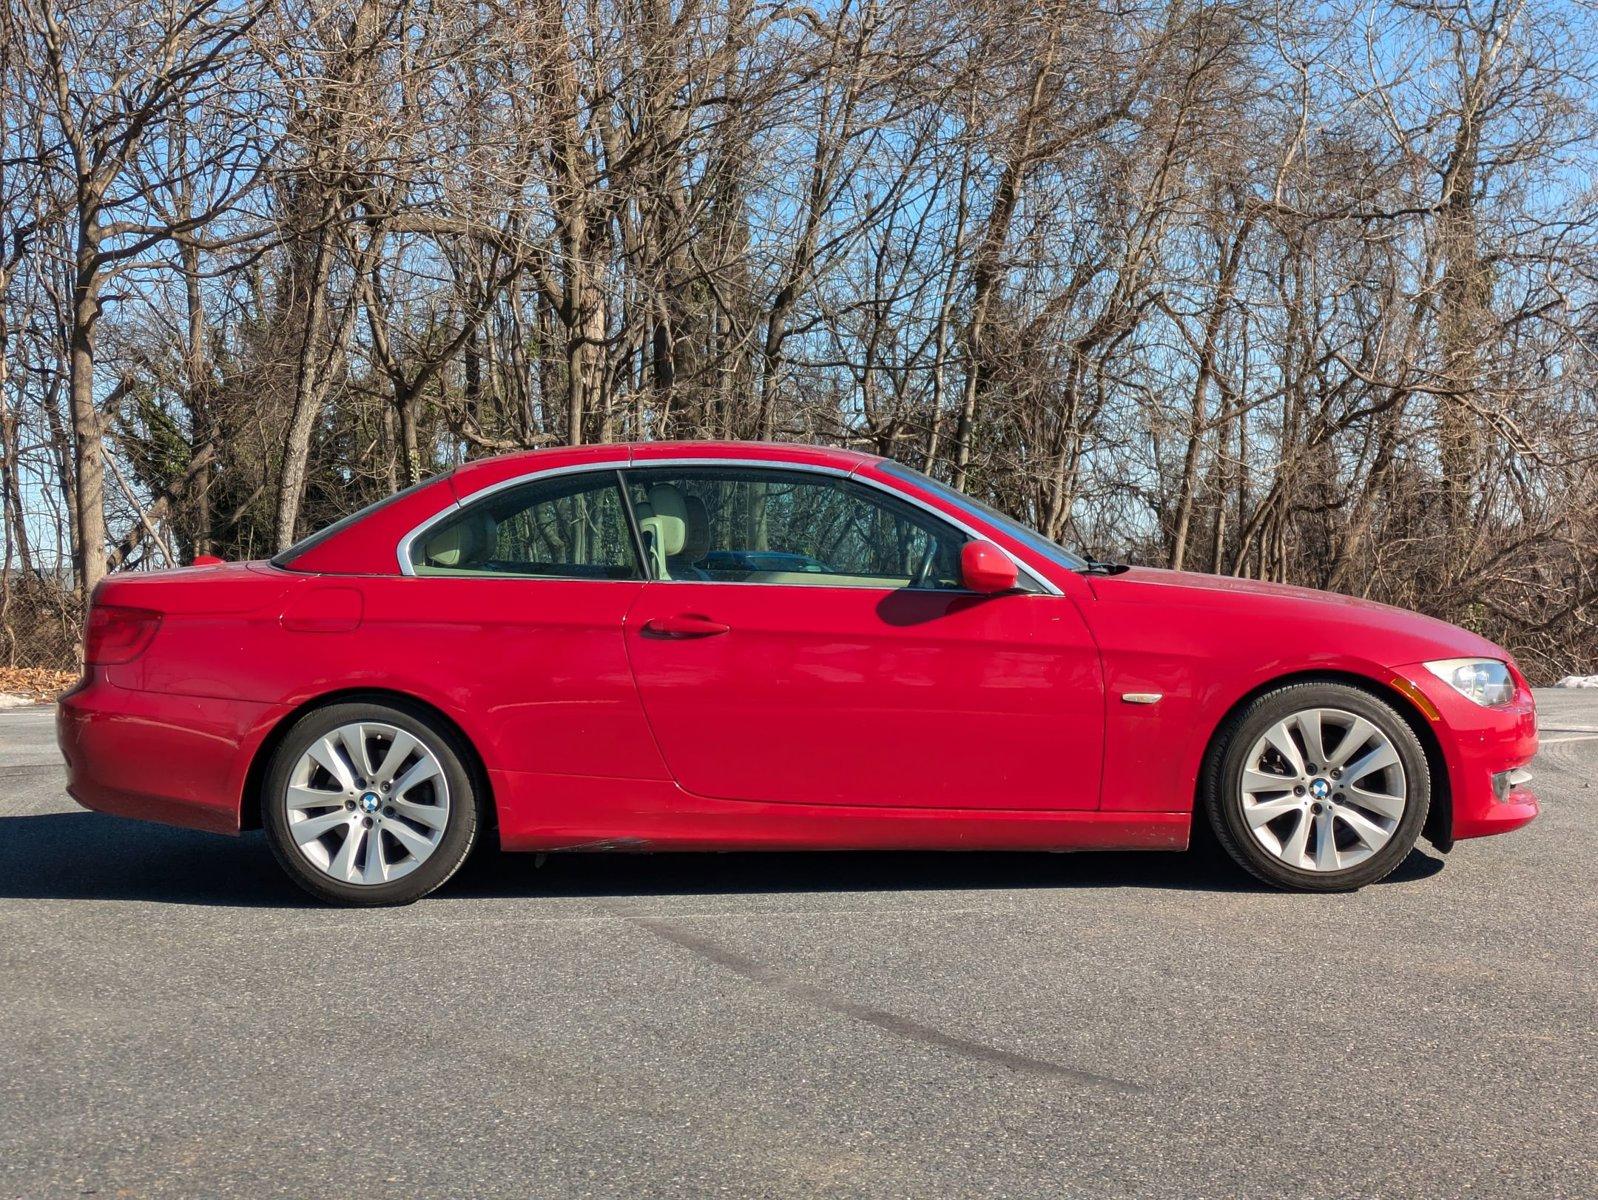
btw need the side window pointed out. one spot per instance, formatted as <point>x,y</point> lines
<point>569,527</point>
<point>754,525</point>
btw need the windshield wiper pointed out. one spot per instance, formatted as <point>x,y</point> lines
<point>1104,568</point>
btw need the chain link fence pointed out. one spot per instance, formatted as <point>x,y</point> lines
<point>41,635</point>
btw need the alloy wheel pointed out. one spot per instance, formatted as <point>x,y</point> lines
<point>367,803</point>
<point>1323,789</point>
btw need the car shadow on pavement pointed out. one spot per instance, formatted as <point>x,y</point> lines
<point>92,856</point>
<point>576,875</point>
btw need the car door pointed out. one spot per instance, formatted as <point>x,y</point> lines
<point>804,638</point>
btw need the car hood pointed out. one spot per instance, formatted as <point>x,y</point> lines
<point>1407,636</point>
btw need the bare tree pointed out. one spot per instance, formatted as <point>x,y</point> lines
<point>1300,292</point>
<point>110,83</point>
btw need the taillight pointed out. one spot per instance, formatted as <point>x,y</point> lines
<point>117,634</point>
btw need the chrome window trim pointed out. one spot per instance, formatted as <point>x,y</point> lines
<point>621,466</point>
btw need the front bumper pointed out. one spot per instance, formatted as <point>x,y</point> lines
<point>179,760</point>
<point>1486,751</point>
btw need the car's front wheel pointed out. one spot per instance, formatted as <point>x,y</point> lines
<point>369,804</point>
<point>1318,787</point>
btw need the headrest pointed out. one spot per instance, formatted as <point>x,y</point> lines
<point>696,541</point>
<point>464,541</point>
<point>669,523</point>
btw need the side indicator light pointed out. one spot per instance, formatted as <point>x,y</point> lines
<point>1418,696</point>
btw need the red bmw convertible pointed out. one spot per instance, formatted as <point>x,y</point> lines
<point>734,646</point>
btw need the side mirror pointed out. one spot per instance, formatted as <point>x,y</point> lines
<point>985,568</point>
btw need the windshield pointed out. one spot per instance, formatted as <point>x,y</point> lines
<point>1034,540</point>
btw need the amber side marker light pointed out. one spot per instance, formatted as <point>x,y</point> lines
<point>1418,696</point>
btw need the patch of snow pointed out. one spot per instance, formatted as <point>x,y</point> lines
<point>1578,681</point>
<point>9,701</point>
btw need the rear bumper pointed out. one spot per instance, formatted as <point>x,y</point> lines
<point>179,760</point>
<point>1480,743</point>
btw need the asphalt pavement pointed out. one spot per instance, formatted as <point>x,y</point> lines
<point>177,1020</point>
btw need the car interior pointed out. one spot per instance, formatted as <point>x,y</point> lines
<point>576,533</point>
<point>701,528</point>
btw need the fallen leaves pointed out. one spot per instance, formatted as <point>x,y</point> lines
<point>36,683</point>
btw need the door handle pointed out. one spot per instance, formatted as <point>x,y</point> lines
<point>684,625</point>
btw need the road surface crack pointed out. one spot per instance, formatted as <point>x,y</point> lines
<point>904,1027</point>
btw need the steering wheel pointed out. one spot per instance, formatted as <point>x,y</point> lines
<point>923,575</point>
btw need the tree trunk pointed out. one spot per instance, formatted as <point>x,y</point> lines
<point>1201,387</point>
<point>88,550</point>
<point>10,489</point>
<point>307,390</point>
<point>410,453</point>
<point>198,369</point>
<point>987,271</point>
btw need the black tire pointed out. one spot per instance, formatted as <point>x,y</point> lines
<point>1220,785</point>
<point>461,828</point>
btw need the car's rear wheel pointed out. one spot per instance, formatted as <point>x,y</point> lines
<point>1317,787</point>
<point>370,804</point>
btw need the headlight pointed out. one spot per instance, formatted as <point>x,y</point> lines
<point>1484,680</point>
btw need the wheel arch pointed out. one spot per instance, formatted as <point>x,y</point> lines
<point>261,762</point>
<point>1439,818</point>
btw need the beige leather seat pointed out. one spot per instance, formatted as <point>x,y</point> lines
<point>663,522</point>
<point>696,541</point>
<point>462,544</point>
